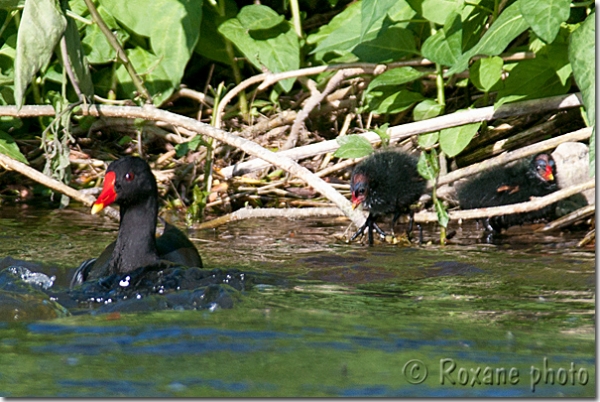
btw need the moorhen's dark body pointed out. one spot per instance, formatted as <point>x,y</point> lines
<point>511,185</point>
<point>386,182</point>
<point>129,183</point>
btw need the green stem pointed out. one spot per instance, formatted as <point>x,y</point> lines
<point>121,55</point>
<point>237,75</point>
<point>296,17</point>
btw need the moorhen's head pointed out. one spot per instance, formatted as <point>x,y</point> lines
<point>128,181</point>
<point>544,168</point>
<point>359,187</point>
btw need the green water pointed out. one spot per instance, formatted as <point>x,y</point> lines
<point>470,319</point>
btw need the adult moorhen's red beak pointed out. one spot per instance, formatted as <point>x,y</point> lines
<point>108,194</point>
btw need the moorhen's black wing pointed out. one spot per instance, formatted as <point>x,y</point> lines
<point>175,246</point>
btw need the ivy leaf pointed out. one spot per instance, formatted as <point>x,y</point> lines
<point>353,146</point>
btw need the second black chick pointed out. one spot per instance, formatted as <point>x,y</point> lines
<point>511,185</point>
<point>386,182</point>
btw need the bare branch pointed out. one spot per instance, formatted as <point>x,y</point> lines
<point>87,200</point>
<point>247,213</point>
<point>403,131</point>
<point>578,135</point>
<point>536,204</point>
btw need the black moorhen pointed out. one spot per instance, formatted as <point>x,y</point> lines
<point>129,183</point>
<point>386,182</point>
<point>511,185</point>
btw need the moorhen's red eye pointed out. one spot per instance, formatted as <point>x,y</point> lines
<point>129,176</point>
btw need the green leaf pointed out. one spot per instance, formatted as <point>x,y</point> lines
<point>373,12</point>
<point>445,46</point>
<point>545,16</point>
<point>391,44</point>
<point>425,167</point>
<point>583,59</point>
<point>503,31</point>
<point>278,52</point>
<point>442,214</point>
<point>172,44</point>
<point>96,46</point>
<point>144,62</point>
<point>41,27</point>
<point>427,109</point>
<point>428,140</point>
<point>485,73</point>
<point>395,102</point>
<point>532,79</point>
<point>593,153</point>
<point>453,140</point>
<point>191,145</point>
<point>10,4</point>
<point>395,77</point>
<point>77,59</point>
<point>353,146</point>
<point>9,147</point>
<point>382,133</point>
<point>259,17</point>
<point>212,44</point>
<point>438,10</point>
<point>340,36</point>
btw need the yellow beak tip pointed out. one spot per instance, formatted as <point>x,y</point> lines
<point>97,208</point>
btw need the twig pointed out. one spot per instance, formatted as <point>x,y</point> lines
<point>590,236</point>
<point>69,68</point>
<point>338,166</point>
<point>509,143</point>
<point>9,163</point>
<point>268,79</point>
<point>247,213</point>
<point>568,219</point>
<point>315,99</point>
<point>251,148</point>
<point>509,209</point>
<point>121,55</point>
<point>191,94</point>
<point>407,130</point>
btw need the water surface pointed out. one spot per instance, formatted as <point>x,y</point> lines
<point>334,319</point>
